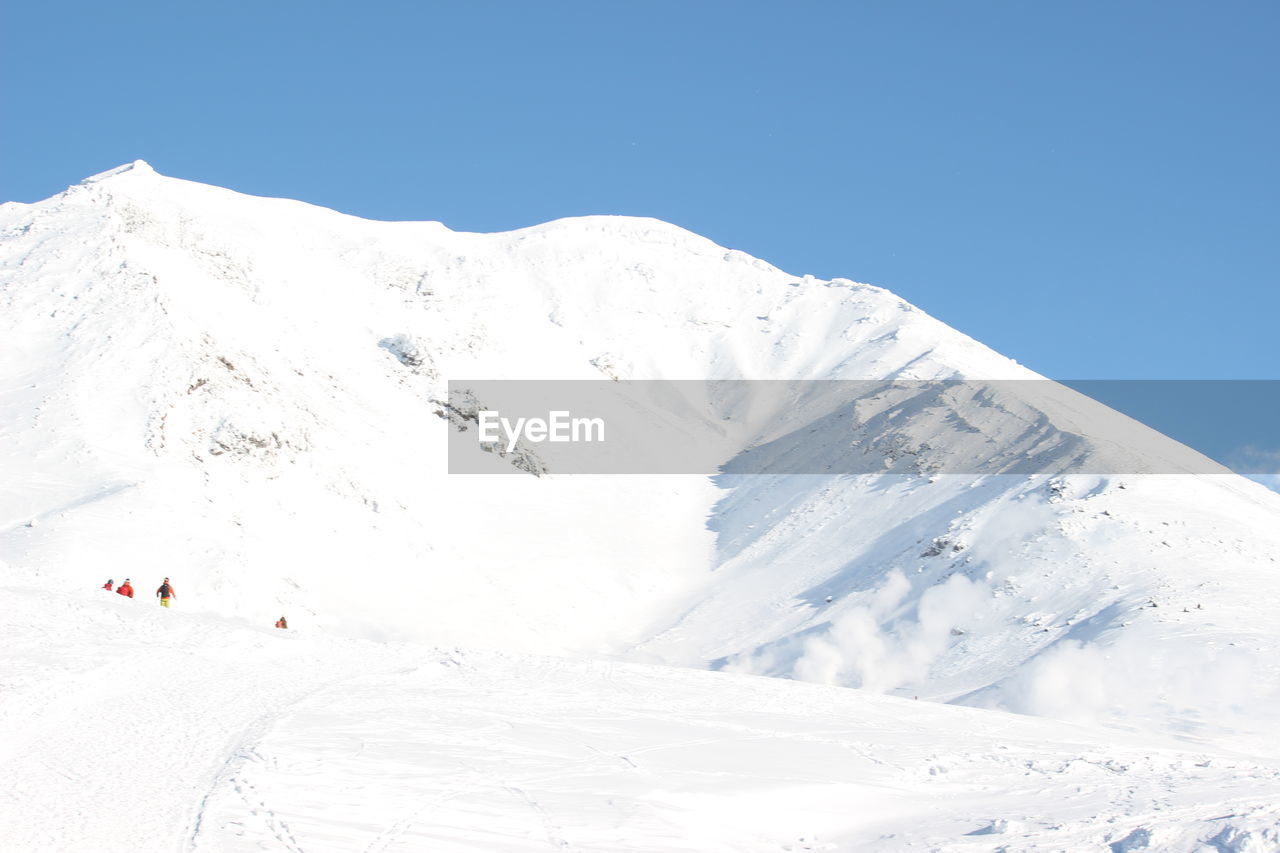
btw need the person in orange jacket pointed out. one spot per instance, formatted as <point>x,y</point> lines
<point>280,623</point>
<point>165,592</point>
<point>108,585</point>
<point>126,588</point>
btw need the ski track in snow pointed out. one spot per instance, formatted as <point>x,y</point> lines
<point>110,753</point>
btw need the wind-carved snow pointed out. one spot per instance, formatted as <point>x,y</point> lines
<point>248,395</point>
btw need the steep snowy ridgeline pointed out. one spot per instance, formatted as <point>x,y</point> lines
<point>242,393</point>
<point>131,728</point>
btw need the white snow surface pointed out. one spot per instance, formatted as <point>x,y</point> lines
<point>130,728</point>
<point>238,393</point>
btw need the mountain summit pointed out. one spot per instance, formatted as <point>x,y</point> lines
<point>137,167</point>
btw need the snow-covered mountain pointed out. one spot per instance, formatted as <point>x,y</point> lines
<point>243,394</point>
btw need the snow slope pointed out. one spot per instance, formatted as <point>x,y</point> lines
<point>242,393</point>
<point>136,729</point>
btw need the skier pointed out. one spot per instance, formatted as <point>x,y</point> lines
<point>108,585</point>
<point>126,588</point>
<point>280,623</point>
<point>165,592</point>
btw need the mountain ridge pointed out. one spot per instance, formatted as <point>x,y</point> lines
<point>240,391</point>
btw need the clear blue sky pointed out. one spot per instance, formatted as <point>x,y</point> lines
<point>1092,188</point>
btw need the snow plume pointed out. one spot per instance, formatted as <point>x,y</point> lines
<point>858,649</point>
<point>1131,678</point>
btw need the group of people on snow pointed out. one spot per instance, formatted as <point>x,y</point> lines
<point>164,592</point>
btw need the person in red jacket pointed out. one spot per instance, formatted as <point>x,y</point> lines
<point>126,588</point>
<point>165,592</point>
<point>280,623</point>
<point>108,585</point>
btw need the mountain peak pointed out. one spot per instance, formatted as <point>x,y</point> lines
<point>137,168</point>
